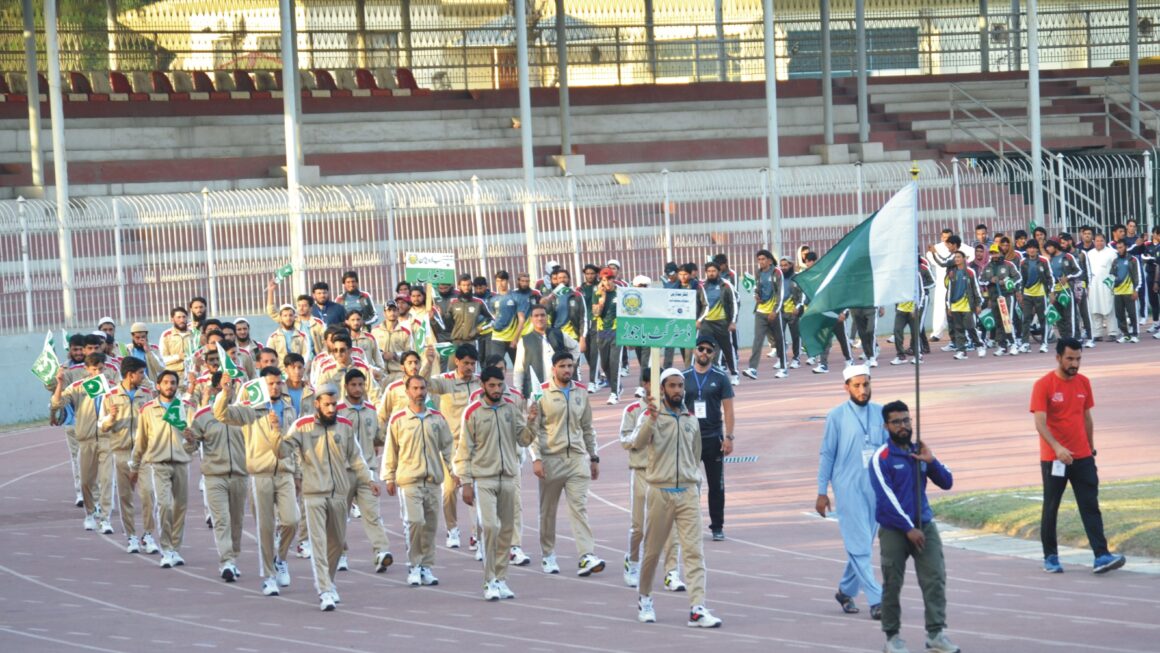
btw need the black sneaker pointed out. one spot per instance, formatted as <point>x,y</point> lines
<point>847,603</point>
<point>718,535</point>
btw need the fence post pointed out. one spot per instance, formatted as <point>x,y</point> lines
<point>1149,192</point>
<point>767,228</point>
<point>958,195</point>
<point>1063,208</point>
<point>861,189</point>
<point>573,227</point>
<point>394,243</point>
<point>668,216</point>
<point>21,204</point>
<point>211,267</point>
<point>122,303</point>
<point>476,201</point>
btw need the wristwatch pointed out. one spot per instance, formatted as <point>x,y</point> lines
<point>595,459</point>
<point>729,437</point>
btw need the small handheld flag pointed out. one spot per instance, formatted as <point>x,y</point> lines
<point>254,393</point>
<point>96,386</point>
<point>174,416</point>
<point>748,282</point>
<point>537,389</point>
<point>283,272</point>
<point>228,365</point>
<point>46,365</point>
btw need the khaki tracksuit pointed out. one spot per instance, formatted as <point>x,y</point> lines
<point>163,453</point>
<point>313,327</point>
<point>638,489</point>
<point>271,477</point>
<point>86,436</point>
<point>326,452</point>
<point>366,342</point>
<point>673,442</point>
<point>175,346</point>
<point>334,373</point>
<point>369,439</point>
<point>417,450</point>
<point>305,407</point>
<point>522,405</point>
<point>114,453</point>
<point>455,397</point>
<point>223,465</point>
<point>565,443</point>
<point>73,372</point>
<point>297,345</point>
<point>394,341</point>
<point>488,457</point>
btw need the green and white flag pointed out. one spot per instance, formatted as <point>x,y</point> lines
<point>987,319</point>
<point>656,317</point>
<point>175,416</point>
<point>282,273</point>
<point>228,365</point>
<point>433,268</point>
<point>123,350</point>
<point>254,393</point>
<point>748,282</point>
<point>537,390</point>
<point>46,365</point>
<point>445,349</point>
<point>96,386</point>
<point>876,264</point>
<point>419,334</point>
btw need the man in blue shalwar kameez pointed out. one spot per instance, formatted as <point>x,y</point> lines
<point>853,431</point>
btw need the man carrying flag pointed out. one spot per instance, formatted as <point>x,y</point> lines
<point>120,412</point>
<point>162,447</point>
<point>84,397</point>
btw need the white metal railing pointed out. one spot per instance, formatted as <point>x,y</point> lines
<point>134,258</point>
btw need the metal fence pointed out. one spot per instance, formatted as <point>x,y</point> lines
<point>134,258</point>
<point>472,45</point>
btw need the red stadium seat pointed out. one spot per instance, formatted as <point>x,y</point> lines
<point>324,81</point>
<point>161,84</point>
<point>120,86</point>
<point>407,80</point>
<point>366,81</point>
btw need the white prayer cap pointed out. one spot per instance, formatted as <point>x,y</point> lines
<point>611,262</point>
<point>641,281</point>
<point>672,371</point>
<point>284,307</point>
<point>105,320</point>
<point>242,319</point>
<point>852,371</point>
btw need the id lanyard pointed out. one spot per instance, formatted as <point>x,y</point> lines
<point>699,407</point>
<point>867,448</point>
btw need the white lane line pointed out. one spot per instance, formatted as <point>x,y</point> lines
<point>43,638</point>
<point>33,473</point>
<point>31,446</point>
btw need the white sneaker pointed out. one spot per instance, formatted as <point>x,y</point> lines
<point>776,363</point>
<point>700,617</point>
<point>472,543</point>
<point>593,387</point>
<point>1000,352</point>
<point>1043,348</point>
<point>479,555</point>
<point>355,513</point>
<point>134,545</point>
<point>736,380</point>
<point>982,352</point>
<point>750,372</point>
<point>518,558</point>
<point>427,577</point>
<point>1156,335</point>
<point>644,610</point>
<point>304,550</point>
<point>270,587</point>
<point>337,598</point>
<point>80,500</point>
<point>950,346</point>
<point>1122,340</point>
<point>822,369</point>
<point>640,392</point>
<point>1133,339</point>
<point>810,361</point>
<point>326,602</point>
<point>453,538</point>
<point>613,398</point>
<point>781,374</point>
<point>960,356</point>
<point>873,362</point>
<point>895,645</point>
<point>589,564</point>
<point>898,360</point>
<point>106,527</point>
<point>794,364</point>
<point>490,591</point>
<point>166,560</point>
<point>940,643</point>
<point>383,560</point>
<point>90,523</point>
<point>228,572</point>
<point>549,566</point>
<point>772,353</point>
<point>624,371</point>
<point>343,563</point>
<point>282,573</point>
<point>505,592</point>
<point>176,558</point>
<point>1089,344</point>
<point>414,578</point>
<point>148,545</point>
<point>673,581</point>
<point>849,362</point>
<point>631,572</point>
<point>1024,348</point>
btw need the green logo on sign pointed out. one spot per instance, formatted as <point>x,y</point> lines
<point>632,303</point>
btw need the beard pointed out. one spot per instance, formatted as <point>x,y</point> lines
<point>861,402</point>
<point>327,421</point>
<point>902,438</point>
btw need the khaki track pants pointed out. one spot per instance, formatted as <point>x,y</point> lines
<point>682,510</point>
<point>638,496</point>
<point>570,475</point>
<point>171,487</point>
<point>114,467</point>
<point>326,523</point>
<point>372,516</point>
<point>419,504</point>
<point>88,468</point>
<point>274,497</point>
<point>496,501</point>
<point>226,496</point>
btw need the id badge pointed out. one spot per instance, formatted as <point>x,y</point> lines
<point>1058,468</point>
<point>699,410</point>
<point>867,454</point>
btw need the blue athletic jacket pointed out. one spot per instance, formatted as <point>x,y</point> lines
<point>892,473</point>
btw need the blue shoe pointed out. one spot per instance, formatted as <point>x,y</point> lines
<point>1051,565</point>
<point>1108,562</point>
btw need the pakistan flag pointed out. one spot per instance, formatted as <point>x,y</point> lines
<point>876,264</point>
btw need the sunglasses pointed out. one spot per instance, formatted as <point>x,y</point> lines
<point>705,348</point>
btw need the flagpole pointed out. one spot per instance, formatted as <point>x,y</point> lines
<point>917,340</point>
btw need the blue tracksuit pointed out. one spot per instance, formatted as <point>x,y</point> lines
<point>892,475</point>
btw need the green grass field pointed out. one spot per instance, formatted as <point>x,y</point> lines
<point>1131,511</point>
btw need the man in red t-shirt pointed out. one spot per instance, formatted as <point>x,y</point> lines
<point>1062,403</point>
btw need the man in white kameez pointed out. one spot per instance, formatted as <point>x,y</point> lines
<point>1101,302</point>
<point>854,430</point>
<point>937,256</point>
